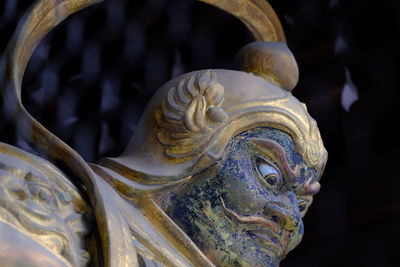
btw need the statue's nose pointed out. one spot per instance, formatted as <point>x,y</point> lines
<point>284,210</point>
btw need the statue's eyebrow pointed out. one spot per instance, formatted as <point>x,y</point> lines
<point>272,149</point>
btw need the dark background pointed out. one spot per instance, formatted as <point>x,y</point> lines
<point>91,78</point>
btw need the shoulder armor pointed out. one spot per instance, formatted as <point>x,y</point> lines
<point>42,214</point>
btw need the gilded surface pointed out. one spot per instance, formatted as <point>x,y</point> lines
<point>241,194</point>
<point>248,211</point>
<point>221,169</point>
<point>190,114</point>
<point>40,205</point>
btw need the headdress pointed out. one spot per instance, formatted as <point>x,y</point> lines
<point>190,120</point>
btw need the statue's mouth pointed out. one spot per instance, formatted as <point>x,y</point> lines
<point>270,230</point>
<point>280,241</point>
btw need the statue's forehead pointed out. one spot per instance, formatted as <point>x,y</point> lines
<point>283,139</point>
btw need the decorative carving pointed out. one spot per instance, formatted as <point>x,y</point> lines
<point>190,115</point>
<point>42,205</point>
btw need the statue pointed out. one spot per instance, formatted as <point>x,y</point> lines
<point>220,171</point>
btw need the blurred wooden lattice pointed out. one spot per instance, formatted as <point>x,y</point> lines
<point>91,78</point>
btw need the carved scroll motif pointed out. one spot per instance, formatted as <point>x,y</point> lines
<point>190,114</point>
<point>38,203</point>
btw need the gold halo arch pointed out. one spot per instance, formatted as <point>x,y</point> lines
<point>44,15</point>
<point>41,18</point>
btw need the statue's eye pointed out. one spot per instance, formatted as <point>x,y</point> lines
<point>268,172</point>
<point>272,179</point>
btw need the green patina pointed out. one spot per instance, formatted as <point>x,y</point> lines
<point>198,208</point>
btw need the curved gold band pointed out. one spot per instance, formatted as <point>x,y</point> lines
<point>44,15</point>
<point>257,15</point>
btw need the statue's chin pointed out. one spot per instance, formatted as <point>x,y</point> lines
<point>18,249</point>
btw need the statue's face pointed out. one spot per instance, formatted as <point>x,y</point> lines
<point>247,209</point>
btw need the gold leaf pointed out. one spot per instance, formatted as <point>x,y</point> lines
<point>214,95</point>
<point>181,93</point>
<point>188,116</point>
<point>204,80</point>
<point>172,103</point>
<point>216,115</point>
<point>190,87</point>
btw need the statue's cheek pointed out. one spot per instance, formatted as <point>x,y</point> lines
<point>242,190</point>
<point>247,200</point>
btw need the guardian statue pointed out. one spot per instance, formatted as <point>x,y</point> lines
<point>219,172</point>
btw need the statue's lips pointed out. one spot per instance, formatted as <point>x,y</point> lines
<point>268,232</point>
<point>274,238</point>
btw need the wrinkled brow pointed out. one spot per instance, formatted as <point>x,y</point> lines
<point>272,149</point>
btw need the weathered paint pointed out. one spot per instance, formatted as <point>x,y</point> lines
<point>198,206</point>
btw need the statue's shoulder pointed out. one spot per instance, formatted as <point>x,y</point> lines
<point>41,212</point>
<point>48,221</point>
<point>137,231</point>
